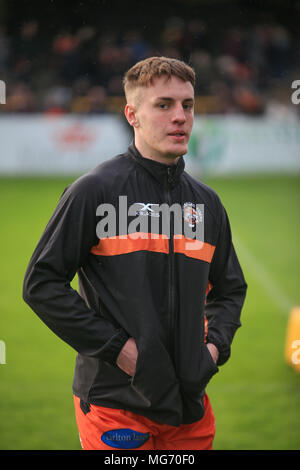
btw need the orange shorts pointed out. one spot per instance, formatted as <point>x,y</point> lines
<point>102,428</point>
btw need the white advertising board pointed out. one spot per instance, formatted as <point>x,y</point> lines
<point>240,144</point>
<point>41,145</point>
<point>59,145</point>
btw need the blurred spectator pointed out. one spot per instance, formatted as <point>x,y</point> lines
<point>57,100</point>
<point>138,46</point>
<point>248,101</point>
<point>232,71</point>
<point>66,57</point>
<point>278,51</point>
<point>107,63</point>
<point>77,71</point>
<point>196,37</point>
<point>234,44</point>
<point>96,99</point>
<point>27,52</point>
<point>223,93</point>
<point>173,33</point>
<point>93,103</point>
<point>170,51</point>
<point>20,99</point>
<point>5,51</point>
<point>202,63</point>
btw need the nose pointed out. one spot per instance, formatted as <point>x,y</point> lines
<point>179,114</point>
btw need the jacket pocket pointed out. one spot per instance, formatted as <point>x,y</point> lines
<point>193,390</point>
<point>138,382</point>
<point>155,379</point>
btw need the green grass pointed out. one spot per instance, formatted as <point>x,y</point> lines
<point>255,396</point>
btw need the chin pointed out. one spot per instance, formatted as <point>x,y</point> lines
<point>178,150</point>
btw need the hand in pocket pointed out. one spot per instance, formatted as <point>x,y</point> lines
<point>127,357</point>
<point>213,351</point>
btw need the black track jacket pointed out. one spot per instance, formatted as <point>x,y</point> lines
<point>170,299</point>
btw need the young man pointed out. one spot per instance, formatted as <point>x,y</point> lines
<point>157,309</point>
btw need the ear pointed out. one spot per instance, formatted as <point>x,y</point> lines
<point>130,114</point>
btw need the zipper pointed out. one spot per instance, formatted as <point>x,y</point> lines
<point>171,286</point>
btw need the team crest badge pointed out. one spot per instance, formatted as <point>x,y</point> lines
<point>192,215</point>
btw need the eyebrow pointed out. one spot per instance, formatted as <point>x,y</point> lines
<point>167,98</point>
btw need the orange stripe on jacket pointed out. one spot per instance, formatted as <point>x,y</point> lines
<point>137,241</point>
<point>193,248</point>
<point>140,241</point>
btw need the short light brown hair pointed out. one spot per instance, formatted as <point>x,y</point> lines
<point>143,72</point>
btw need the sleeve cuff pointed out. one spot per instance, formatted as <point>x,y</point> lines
<point>224,351</point>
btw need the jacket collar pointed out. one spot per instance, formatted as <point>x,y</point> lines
<point>163,173</point>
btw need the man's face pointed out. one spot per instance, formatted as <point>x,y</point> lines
<point>163,116</point>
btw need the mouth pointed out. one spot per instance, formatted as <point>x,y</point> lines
<point>178,136</point>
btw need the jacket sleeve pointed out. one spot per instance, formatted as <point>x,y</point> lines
<point>226,297</point>
<point>62,249</point>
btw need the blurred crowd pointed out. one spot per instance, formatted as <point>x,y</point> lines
<point>245,70</point>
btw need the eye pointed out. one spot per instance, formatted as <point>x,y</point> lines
<point>188,106</point>
<point>163,106</point>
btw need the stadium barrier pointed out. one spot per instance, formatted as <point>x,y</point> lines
<point>39,144</point>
